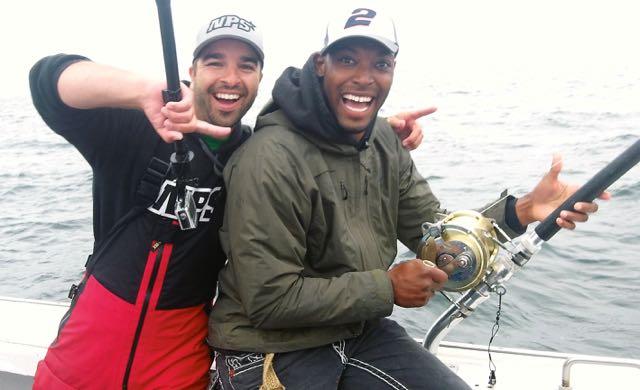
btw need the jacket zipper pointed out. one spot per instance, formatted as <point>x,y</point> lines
<point>157,247</point>
<point>366,201</point>
<point>343,190</point>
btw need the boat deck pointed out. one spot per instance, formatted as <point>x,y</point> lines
<point>9,381</point>
<point>27,327</point>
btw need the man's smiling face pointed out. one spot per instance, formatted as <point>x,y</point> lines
<point>357,74</point>
<point>225,79</point>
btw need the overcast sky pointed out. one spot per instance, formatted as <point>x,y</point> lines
<point>474,38</point>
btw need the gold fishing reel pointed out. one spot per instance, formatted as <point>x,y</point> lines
<point>463,244</point>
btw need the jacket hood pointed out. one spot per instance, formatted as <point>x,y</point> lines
<point>300,96</point>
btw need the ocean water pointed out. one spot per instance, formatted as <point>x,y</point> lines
<point>578,295</point>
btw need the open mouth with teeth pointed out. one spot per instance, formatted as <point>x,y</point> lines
<point>226,100</point>
<point>356,103</point>
<point>227,97</point>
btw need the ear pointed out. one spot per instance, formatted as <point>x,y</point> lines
<point>192,71</point>
<point>320,62</point>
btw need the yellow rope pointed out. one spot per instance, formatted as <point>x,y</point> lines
<point>270,380</point>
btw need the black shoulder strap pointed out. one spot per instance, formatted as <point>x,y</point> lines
<point>150,183</point>
<point>217,165</point>
<point>148,189</point>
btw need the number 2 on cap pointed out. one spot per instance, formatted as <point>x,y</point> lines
<point>361,17</point>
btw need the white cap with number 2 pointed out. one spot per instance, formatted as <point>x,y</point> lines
<point>362,23</point>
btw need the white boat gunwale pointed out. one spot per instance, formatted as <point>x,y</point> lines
<point>28,326</point>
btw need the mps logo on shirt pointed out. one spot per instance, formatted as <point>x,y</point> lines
<point>204,198</point>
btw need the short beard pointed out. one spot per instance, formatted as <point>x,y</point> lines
<point>202,107</point>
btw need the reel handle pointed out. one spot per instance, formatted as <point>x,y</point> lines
<point>591,189</point>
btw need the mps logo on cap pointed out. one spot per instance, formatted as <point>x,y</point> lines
<point>229,21</point>
<point>229,27</point>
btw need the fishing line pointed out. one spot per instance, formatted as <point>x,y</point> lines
<point>500,290</point>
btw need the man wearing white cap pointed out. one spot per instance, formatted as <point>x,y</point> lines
<point>316,200</point>
<point>138,318</point>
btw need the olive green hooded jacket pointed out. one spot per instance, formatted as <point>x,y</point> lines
<point>311,223</point>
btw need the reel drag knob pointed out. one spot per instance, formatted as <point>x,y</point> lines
<point>461,246</point>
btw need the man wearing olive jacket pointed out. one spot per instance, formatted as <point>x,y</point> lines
<point>317,199</point>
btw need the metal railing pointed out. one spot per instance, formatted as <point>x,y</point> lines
<point>570,362</point>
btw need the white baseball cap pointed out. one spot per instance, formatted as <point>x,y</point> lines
<point>362,23</point>
<point>232,27</point>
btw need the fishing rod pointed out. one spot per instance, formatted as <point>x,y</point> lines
<point>185,206</point>
<point>465,244</point>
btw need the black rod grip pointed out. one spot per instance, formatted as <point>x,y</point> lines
<point>591,189</point>
<point>169,51</point>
